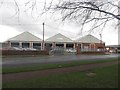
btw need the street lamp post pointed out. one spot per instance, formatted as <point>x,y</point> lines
<point>101,40</point>
<point>43,37</point>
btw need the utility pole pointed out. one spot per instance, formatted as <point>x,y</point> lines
<point>101,38</point>
<point>43,45</point>
<point>101,41</point>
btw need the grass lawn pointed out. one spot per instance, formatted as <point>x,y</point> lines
<point>51,66</point>
<point>106,77</point>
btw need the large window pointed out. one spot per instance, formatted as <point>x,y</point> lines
<point>85,47</point>
<point>14,44</point>
<point>79,45</point>
<point>25,45</point>
<point>69,45</point>
<point>48,44</point>
<point>60,45</point>
<point>37,45</point>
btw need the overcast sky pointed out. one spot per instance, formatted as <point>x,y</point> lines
<point>11,25</point>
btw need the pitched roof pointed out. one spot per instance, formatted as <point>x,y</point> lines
<point>25,36</point>
<point>88,39</point>
<point>58,38</point>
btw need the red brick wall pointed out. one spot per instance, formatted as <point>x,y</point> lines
<point>98,45</point>
<point>92,46</point>
<point>16,52</point>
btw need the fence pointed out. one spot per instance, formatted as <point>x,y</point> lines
<point>92,50</point>
<point>57,51</point>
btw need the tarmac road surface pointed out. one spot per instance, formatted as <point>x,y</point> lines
<point>30,60</point>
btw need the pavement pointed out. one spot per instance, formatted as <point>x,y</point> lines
<point>9,61</point>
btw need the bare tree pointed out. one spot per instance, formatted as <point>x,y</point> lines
<point>97,12</point>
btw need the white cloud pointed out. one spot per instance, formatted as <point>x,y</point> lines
<point>7,32</point>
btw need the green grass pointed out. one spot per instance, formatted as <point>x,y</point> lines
<point>0,69</point>
<point>16,69</point>
<point>106,77</point>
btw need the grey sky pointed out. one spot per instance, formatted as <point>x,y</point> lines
<point>32,22</point>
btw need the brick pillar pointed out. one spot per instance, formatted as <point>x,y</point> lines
<point>31,45</point>
<point>53,45</point>
<point>64,45</point>
<point>9,44</point>
<point>94,45</point>
<point>82,46</point>
<point>78,49</point>
<point>41,46</point>
<point>74,46</point>
<point>20,44</point>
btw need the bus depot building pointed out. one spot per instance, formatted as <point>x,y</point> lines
<point>28,41</point>
<point>23,41</point>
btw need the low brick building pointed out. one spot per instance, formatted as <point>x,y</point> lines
<point>60,40</point>
<point>86,43</point>
<point>89,43</point>
<point>24,40</point>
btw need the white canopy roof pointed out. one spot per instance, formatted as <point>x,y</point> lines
<point>58,38</point>
<point>89,39</point>
<point>25,36</point>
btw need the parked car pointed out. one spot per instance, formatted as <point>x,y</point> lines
<point>32,49</point>
<point>17,48</point>
<point>29,49</point>
<point>71,50</point>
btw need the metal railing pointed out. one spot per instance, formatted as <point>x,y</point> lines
<point>91,50</point>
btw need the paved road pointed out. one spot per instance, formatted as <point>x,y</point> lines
<point>23,61</point>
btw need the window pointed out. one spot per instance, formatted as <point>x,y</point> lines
<point>37,45</point>
<point>14,44</point>
<point>25,45</point>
